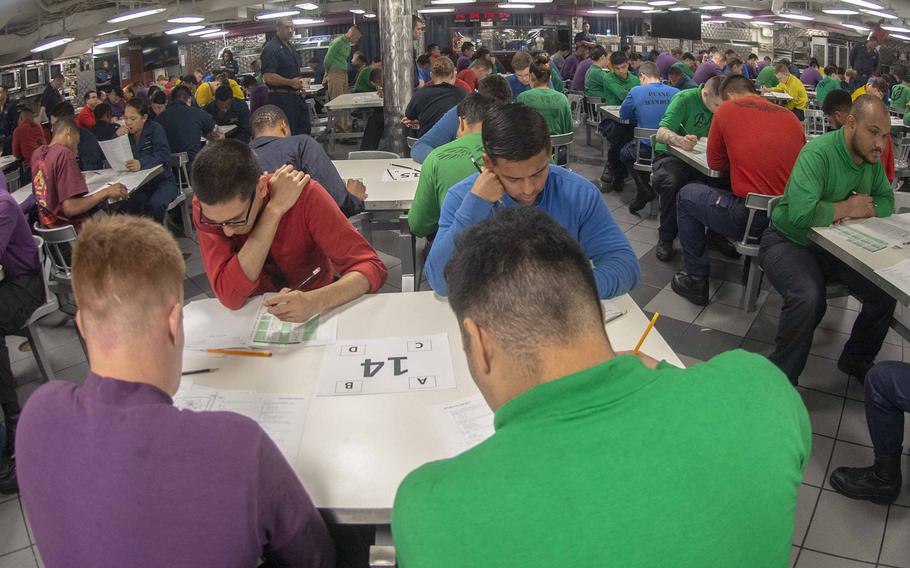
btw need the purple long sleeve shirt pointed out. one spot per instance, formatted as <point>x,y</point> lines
<point>568,68</point>
<point>578,82</point>
<point>707,70</point>
<point>259,96</point>
<point>810,76</point>
<point>18,251</point>
<point>664,61</point>
<point>112,474</point>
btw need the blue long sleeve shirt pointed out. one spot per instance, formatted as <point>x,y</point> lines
<point>572,201</point>
<point>646,104</point>
<point>442,132</point>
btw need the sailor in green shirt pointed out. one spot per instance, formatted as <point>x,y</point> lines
<point>900,94</point>
<point>559,85</point>
<point>828,83</point>
<point>685,67</point>
<point>837,176</point>
<point>613,86</point>
<point>363,83</point>
<point>766,77</point>
<point>619,81</point>
<point>596,73</point>
<point>449,164</point>
<point>552,105</point>
<point>598,458</point>
<point>335,65</point>
<point>687,119</point>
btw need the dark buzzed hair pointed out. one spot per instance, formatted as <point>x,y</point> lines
<point>191,79</point>
<point>830,70</point>
<point>736,84</point>
<point>102,111</point>
<point>181,93</point>
<point>688,57</point>
<point>225,170</point>
<point>224,93</point>
<point>503,274</point>
<point>63,110</point>
<point>84,97</point>
<point>159,98</point>
<point>466,46</point>
<point>483,62</point>
<point>514,132</point>
<point>64,124</point>
<point>266,117</point>
<point>837,100</point>
<point>496,87</point>
<point>597,52</point>
<point>474,107</point>
<point>649,69</point>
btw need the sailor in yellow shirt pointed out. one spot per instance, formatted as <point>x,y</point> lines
<point>793,87</point>
<point>205,93</point>
<point>875,86</point>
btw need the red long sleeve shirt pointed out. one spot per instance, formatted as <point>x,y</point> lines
<point>758,157</point>
<point>27,137</point>
<point>888,160</point>
<point>314,233</point>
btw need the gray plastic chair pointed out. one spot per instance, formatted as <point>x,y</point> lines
<point>372,155</point>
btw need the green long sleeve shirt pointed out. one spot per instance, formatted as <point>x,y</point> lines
<point>556,80</point>
<point>825,86</point>
<point>617,88</point>
<point>619,465</point>
<point>443,168</point>
<point>363,84</point>
<point>336,57</point>
<point>552,105</point>
<point>766,77</point>
<point>684,67</point>
<point>900,96</point>
<point>823,175</point>
<point>686,114</point>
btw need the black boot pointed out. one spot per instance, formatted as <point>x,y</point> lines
<point>664,251</point>
<point>11,421</point>
<point>644,196</point>
<point>692,288</point>
<point>724,247</point>
<point>617,184</point>
<point>879,483</point>
<point>9,483</point>
<point>606,178</point>
<point>855,367</point>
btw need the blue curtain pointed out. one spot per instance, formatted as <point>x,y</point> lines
<point>368,44</point>
<point>438,26</point>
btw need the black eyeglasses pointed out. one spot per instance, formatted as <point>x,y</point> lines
<point>235,223</point>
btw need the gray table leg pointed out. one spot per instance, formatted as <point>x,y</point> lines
<point>407,248</point>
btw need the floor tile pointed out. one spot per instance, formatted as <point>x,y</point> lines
<point>624,227</point>
<point>58,331</point>
<point>14,341</point>
<point>731,294</point>
<point>904,498</point>
<point>643,293</point>
<point>853,426</point>
<point>725,318</point>
<point>827,343</point>
<point>20,559</point>
<point>824,411</point>
<point>670,329</point>
<point>822,448</point>
<point>855,390</point>
<point>838,319</point>
<point>794,554</point>
<point>38,557</point>
<point>674,306</point>
<point>689,362</point>
<point>890,352</point>
<point>704,343</point>
<point>759,347</point>
<point>676,262</point>
<point>640,248</point>
<point>656,275</point>
<point>896,547</point>
<point>822,374</point>
<point>806,498</point>
<point>846,527</point>
<point>643,234</point>
<point>13,535</point>
<point>812,559</point>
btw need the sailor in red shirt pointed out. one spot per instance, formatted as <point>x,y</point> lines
<point>759,161</point>
<point>28,135</point>
<point>269,233</point>
<point>86,116</point>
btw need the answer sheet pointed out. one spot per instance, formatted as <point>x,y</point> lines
<point>117,151</point>
<point>320,329</point>
<point>463,423</point>
<point>898,275</point>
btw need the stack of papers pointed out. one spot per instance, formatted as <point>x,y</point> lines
<point>463,423</point>
<point>875,234</point>
<point>701,146</point>
<point>898,275</point>
<point>281,416</point>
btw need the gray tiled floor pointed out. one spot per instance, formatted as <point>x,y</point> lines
<point>830,530</point>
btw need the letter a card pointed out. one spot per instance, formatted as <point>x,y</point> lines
<point>392,364</point>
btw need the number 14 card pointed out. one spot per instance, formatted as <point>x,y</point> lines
<point>392,364</point>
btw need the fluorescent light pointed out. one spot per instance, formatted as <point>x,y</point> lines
<point>186,19</point>
<point>370,15</point>
<point>214,34</point>
<point>52,43</point>
<point>866,4</point>
<point>602,12</point>
<point>308,21</point>
<point>880,14</point>
<point>511,6</point>
<point>654,11</point>
<point>443,2</point>
<point>679,9</point>
<point>705,17</point>
<point>716,22</point>
<point>435,10</point>
<point>856,27</point>
<point>357,11</point>
<point>661,2</point>
<point>634,7</point>
<point>183,30</point>
<point>111,32</point>
<point>737,15</point>
<point>111,43</point>
<point>205,31</point>
<point>896,29</point>
<point>796,16</point>
<point>712,7</point>
<point>133,14</point>
<point>308,6</point>
<point>840,11</point>
<point>762,23</point>
<point>899,36</point>
<point>535,1</point>
<point>782,22</point>
<point>276,15</point>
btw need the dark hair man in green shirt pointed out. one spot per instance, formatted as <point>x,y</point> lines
<point>838,176</point>
<point>598,457</point>
<point>616,85</point>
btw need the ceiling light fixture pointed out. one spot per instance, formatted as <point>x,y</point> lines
<point>276,15</point>
<point>880,14</point>
<point>111,32</point>
<point>840,11</point>
<point>369,15</point>
<point>896,29</point>
<point>856,27</point>
<point>205,31</point>
<point>214,34</point>
<point>737,15</point>
<point>186,19</point>
<point>183,30</point>
<point>357,11</point>
<point>308,6</point>
<point>602,12</point>
<point>307,21</point>
<point>634,7</point>
<point>111,43</point>
<point>435,10</point>
<point>899,36</point>
<point>866,4</point>
<point>515,6</point>
<point>796,16</point>
<point>713,7</point>
<point>444,2</point>
<point>51,43</point>
<point>133,14</point>
<point>678,9</point>
<point>662,2</point>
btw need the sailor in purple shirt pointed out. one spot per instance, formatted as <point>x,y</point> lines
<point>111,473</point>
<point>568,69</point>
<point>811,75</point>
<point>464,60</point>
<point>666,60</point>
<point>256,92</point>
<point>21,293</point>
<point>706,70</point>
<point>578,82</point>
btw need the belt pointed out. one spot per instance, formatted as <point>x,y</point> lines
<point>283,90</point>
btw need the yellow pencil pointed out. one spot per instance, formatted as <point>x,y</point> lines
<point>241,352</point>
<point>645,334</point>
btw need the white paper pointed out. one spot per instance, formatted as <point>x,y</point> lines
<point>611,311</point>
<point>321,329</point>
<point>105,178</point>
<point>393,364</point>
<point>365,98</point>
<point>228,128</point>
<point>898,275</point>
<point>893,230</point>
<point>701,146</point>
<point>463,423</point>
<point>209,325</point>
<point>400,174</point>
<point>117,151</point>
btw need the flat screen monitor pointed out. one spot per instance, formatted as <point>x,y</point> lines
<point>676,25</point>
<point>32,77</point>
<point>8,80</point>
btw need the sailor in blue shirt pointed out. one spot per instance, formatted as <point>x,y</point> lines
<point>229,110</point>
<point>274,147</point>
<point>185,125</point>
<point>150,148</point>
<point>517,172</point>
<point>645,105</point>
<point>281,72</point>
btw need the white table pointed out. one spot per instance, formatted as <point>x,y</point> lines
<point>897,124</point>
<point>356,450</point>
<point>96,180</point>
<point>7,161</point>
<point>389,197</point>
<point>312,89</point>
<point>778,97</point>
<point>353,101</point>
<point>698,160</point>
<point>612,112</point>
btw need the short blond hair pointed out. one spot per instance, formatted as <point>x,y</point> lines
<point>125,269</point>
<point>442,68</point>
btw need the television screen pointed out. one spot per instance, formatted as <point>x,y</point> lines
<point>8,79</point>
<point>158,53</point>
<point>56,68</point>
<point>676,25</point>
<point>31,77</point>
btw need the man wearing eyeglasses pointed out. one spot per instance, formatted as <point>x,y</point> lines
<point>270,233</point>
